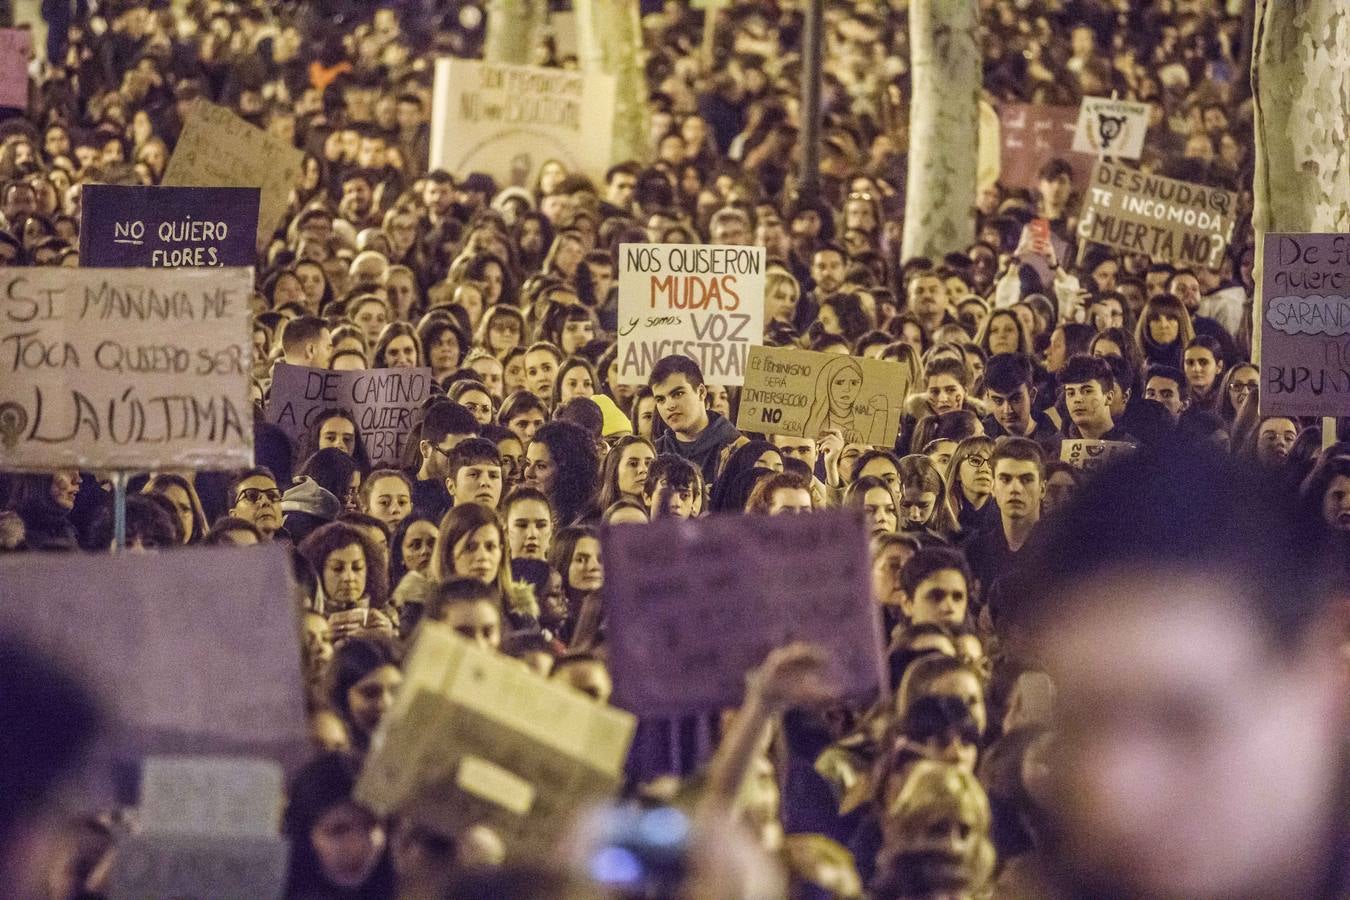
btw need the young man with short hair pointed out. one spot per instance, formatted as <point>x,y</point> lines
<point>1089,387</point>
<point>673,487</point>
<point>306,341</point>
<point>474,473</point>
<point>1167,386</point>
<point>1009,383</point>
<point>1192,620</point>
<point>445,425</point>
<point>1019,488</point>
<point>695,433</point>
<point>471,607</point>
<point>936,586</point>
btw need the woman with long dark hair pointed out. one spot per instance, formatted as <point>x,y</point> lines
<point>562,462</point>
<point>339,849</point>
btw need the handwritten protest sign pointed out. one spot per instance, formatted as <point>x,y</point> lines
<point>219,149</point>
<point>167,227</point>
<point>1030,135</point>
<point>386,404</point>
<point>695,605</point>
<point>802,393</point>
<point>125,368</point>
<point>1305,325</point>
<point>1109,127</point>
<point>194,651</point>
<point>508,121</point>
<point>157,864</point>
<point>1090,455</point>
<point>16,47</point>
<point>705,302</point>
<point>476,738</point>
<point>1168,220</point>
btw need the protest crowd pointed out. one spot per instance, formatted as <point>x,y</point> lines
<point>1073,626</point>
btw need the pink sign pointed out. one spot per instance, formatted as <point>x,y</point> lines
<point>1031,135</point>
<point>16,45</point>
<point>1305,325</point>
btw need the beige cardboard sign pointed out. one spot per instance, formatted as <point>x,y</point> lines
<point>1089,455</point>
<point>476,737</point>
<point>132,369</point>
<point>1109,127</point>
<point>803,393</point>
<point>1168,220</point>
<point>219,149</point>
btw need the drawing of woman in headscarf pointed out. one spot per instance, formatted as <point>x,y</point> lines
<point>836,404</point>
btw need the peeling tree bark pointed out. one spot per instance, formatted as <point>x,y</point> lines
<point>944,127</point>
<point>609,40</point>
<point>1301,84</point>
<point>513,28</point>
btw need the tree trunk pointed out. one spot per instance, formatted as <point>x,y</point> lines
<point>513,28</point>
<point>944,130</point>
<point>609,40</point>
<point>1301,84</point>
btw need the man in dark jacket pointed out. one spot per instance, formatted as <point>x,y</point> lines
<point>695,432</point>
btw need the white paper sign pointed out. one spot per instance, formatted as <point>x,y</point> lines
<point>1109,127</point>
<point>703,301</point>
<point>211,795</point>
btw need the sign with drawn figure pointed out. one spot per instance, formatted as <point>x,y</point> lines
<point>1090,455</point>
<point>705,302</point>
<point>693,606</point>
<point>134,369</point>
<point>219,149</point>
<point>476,738</point>
<point>1165,219</point>
<point>804,393</point>
<point>1109,127</point>
<point>1305,325</point>
<point>509,121</point>
<point>167,227</point>
<point>386,405</point>
<point>193,651</point>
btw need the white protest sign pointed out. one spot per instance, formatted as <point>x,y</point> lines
<point>211,795</point>
<point>191,651</point>
<point>197,867</point>
<point>125,368</point>
<point>1089,455</point>
<point>705,302</point>
<point>1109,127</point>
<point>508,121</point>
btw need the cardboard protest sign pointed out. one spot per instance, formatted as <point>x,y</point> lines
<point>193,866</point>
<point>705,302</point>
<point>1168,220</point>
<point>1305,325</point>
<point>16,46</point>
<point>1109,127</point>
<point>694,605</point>
<point>190,651</point>
<point>1031,135</point>
<point>476,738</point>
<point>125,368</point>
<point>219,149</point>
<point>803,393</point>
<point>386,404</point>
<point>167,227</point>
<point>1089,455</point>
<point>508,121</point>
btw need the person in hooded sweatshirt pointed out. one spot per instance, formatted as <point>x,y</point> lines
<point>44,503</point>
<point>320,493</point>
<point>692,430</point>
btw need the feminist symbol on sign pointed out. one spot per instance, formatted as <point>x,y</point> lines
<point>13,421</point>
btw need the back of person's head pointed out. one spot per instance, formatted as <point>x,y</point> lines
<point>444,418</point>
<point>331,469</point>
<point>300,331</point>
<point>585,414</point>
<point>1081,369</point>
<point>676,365</point>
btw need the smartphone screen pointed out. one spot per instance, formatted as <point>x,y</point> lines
<point>1040,236</point>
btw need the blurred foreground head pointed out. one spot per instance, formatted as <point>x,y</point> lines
<point>1190,614</point>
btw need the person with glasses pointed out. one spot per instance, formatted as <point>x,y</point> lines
<point>256,499</point>
<point>1240,384</point>
<point>970,484</point>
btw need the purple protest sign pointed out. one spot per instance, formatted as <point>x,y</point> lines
<point>694,605</point>
<point>1305,325</point>
<point>16,45</point>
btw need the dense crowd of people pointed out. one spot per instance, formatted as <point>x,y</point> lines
<point>1121,681</point>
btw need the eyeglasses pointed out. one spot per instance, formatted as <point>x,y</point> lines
<point>253,495</point>
<point>860,195</point>
<point>977,461</point>
<point>1243,387</point>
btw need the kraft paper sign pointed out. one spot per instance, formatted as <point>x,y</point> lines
<point>132,369</point>
<point>477,738</point>
<point>694,605</point>
<point>1305,325</point>
<point>508,121</point>
<point>701,301</point>
<point>1109,127</point>
<point>1168,220</point>
<point>167,227</point>
<point>219,149</point>
<point>803,393</point>
<point>191,651</point>
<point>386,404</point>
<point>1088,455</point>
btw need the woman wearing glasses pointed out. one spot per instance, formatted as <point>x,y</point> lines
<point>970,484</point>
